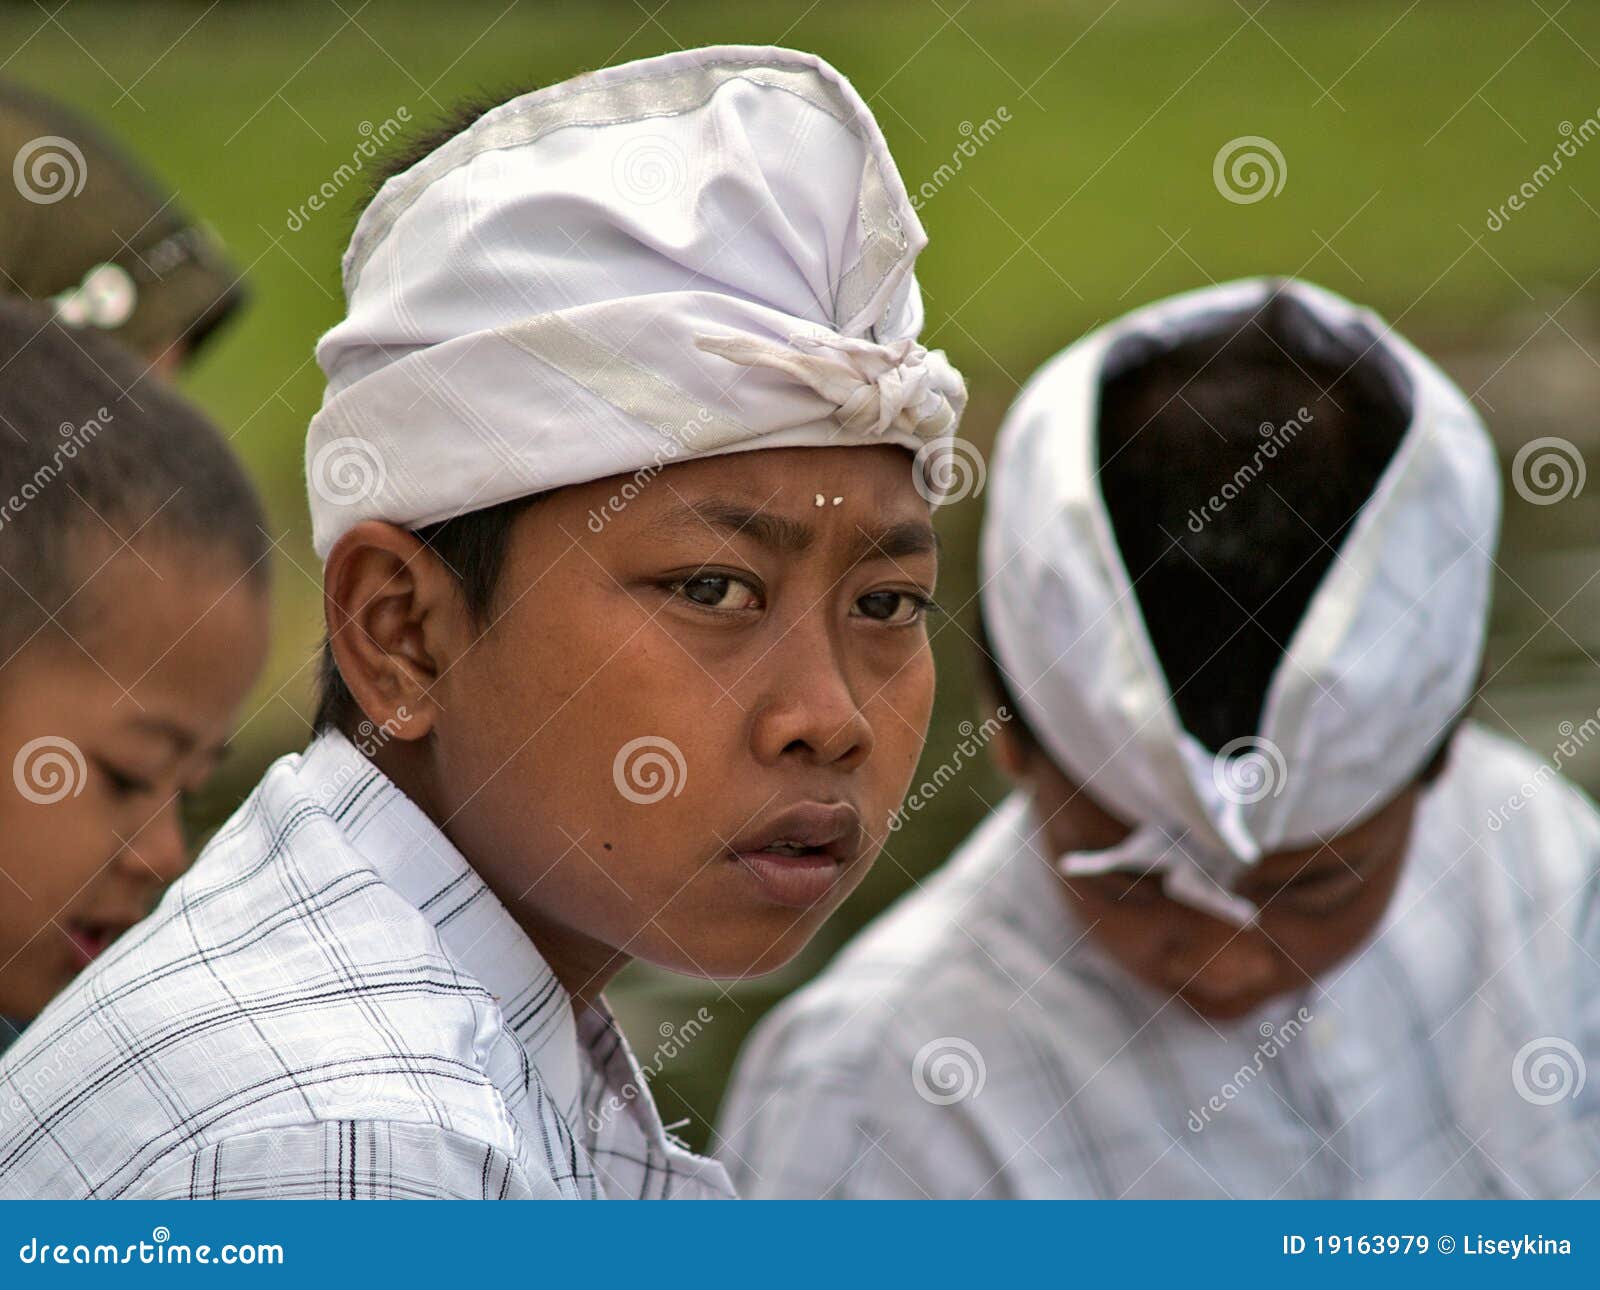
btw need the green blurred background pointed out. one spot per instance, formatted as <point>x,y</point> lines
<point>1400,126</point>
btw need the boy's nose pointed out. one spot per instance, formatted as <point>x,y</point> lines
<point>811,712</point>
<point>1219,962</point>
<point>159,850</point>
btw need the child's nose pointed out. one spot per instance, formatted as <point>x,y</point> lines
<point>812,712</point>
<point>159,850</point>
<point>1217,961</point>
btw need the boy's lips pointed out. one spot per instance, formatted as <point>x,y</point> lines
<point>91,937</point>
<point>798,853</point>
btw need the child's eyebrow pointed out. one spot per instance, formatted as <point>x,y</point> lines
<point>894,541</point>
<point>777,532</point>
<point>787,536</point>
<point>175,734</point>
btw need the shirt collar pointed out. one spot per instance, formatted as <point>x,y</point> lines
<point>477,933</point>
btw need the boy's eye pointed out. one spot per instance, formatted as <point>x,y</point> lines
<point>1319,895</point>
<point>897,608</point>
<point>1134,888</point>
<point>122,784</point>
<point>718,591</point>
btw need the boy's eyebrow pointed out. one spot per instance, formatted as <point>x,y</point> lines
<point>777,532</point>
<point>787,536</point>
<point>182,740</point>
<point>171,731</point>
<point>894,541</point>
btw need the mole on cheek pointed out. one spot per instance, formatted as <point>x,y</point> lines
<point>607,845</point>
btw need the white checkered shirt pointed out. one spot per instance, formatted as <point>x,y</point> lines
<point>330,1004</point>
<point>973,1042</point>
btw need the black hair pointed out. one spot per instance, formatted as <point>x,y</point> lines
<point>92,452</point>
<point>1232,463</point>
<point>472,546</point>
<point>1233,459</point>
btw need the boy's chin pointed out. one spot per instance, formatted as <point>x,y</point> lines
<point>734,962</point>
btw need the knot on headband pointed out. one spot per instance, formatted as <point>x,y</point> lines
<point>876,388</point>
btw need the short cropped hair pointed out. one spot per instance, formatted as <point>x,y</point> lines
<point>472,546</point>
<point>92,452</point>
<point>1226,544</point>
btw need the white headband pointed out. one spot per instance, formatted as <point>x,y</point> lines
<point>1383,660</point>
<point>701,253</point>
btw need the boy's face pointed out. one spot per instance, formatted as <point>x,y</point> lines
<point>1317,905</point>
<point>687,678</point>
<point>99,737</point>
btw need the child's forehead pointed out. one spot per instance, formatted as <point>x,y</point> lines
<point>855,502</point>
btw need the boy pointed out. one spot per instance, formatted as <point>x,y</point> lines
<point>626,564</point>
<point>133,607</point>
<point>1257,921</point>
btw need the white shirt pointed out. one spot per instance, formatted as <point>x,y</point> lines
<point>974,1042</point>
<point>330,1004</point>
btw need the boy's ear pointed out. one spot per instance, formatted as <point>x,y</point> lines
<point>394,615</point>
<point>1010,753</point>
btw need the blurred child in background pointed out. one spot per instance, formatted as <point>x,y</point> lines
<point>133,580</point>
<point>1262,917</point>
<point>85,228</point>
